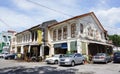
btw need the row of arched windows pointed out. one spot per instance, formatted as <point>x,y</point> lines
<point>65,32</point>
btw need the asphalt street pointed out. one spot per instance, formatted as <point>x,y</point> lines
<point>20,67</point>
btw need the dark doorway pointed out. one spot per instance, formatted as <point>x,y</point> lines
<point>35,51</point>
<point>46,50</point>
<point>60,51</point>
<point>98,48</point>
<point>60,48</point>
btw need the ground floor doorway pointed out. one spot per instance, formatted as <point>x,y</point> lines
<point>35,51</point>
<point>46,50</point>
<point>18,49</point>
<point>94,48</point>
<point>60,51</point>
<point>60,48</point>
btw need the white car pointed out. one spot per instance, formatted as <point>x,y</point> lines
<point>54,59</point>
<point>3,54</point>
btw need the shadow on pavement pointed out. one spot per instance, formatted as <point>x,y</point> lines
<point>37,70</point>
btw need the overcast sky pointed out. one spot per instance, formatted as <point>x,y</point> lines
<point>19,15</point>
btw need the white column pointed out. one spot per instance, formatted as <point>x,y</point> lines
<point>21,39</point>
<point>15,49</point>
<point>34,36</point>
<point>62,33</point>
<point>41,50</point>
<point>68,45</point>
<point>52,50</point>
<point>30,37</point>
<point>79,47</point>
<point>56,34</point>
<point>22,50</point>
<point>87,48</point>
<point>29,48</point>
<point>69,31</point>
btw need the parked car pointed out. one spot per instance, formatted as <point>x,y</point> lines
<point>116,57</point>
<point>11,56</point>
<point>54,59</point>
<point>3,54</point>
<point>72,59</point>
<point>102,57</point>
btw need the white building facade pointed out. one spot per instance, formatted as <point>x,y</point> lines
<point>81,34</point>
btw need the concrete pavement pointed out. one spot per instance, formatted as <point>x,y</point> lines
<point>17,67</point>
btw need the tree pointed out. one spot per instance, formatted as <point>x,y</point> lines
<point>115,39</point>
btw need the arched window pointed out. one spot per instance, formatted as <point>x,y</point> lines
<point>32,36</point>
<point>54,35</point>
<point>73,30</point>
<point>59,34</point>
<point>36,35</point>
<point>65,32</point>
<point>81,28</point>
<point>90,31</point>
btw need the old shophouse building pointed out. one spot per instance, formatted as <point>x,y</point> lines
<point>32,42</point>
<point>82,34</point>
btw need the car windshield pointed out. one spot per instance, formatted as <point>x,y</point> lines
<point>100,54</point>
<point>56,55</point>
<point>117,54</point>
<point>68,55</point>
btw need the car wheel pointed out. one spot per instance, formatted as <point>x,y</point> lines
<point>8,58</point>
<point>83,62</point>
<point>47,63</point>
<point>59,64</point>
<point>72,63</point>
<point>106,62</point>
<point>56,61</point>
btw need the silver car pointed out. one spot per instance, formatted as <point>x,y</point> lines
<point>101,57</point>
<point>72,59</point>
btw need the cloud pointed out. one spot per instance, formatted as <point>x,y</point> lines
<point>26,14</point>
<point>15,20</point>
<point>109,18</point>
<point>24,4</point>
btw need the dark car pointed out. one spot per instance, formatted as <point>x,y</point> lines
<point>10,56</point>
<point>116,57</point>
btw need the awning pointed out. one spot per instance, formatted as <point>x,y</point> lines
<point>64,46</point>
<point>61,45</point>
<point>57,45</point>
<point>73,45</point>
<point>100,43</point>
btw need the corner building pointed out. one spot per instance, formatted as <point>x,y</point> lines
<point>81,34</point>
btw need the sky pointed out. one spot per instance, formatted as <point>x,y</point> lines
<point>19,15</point>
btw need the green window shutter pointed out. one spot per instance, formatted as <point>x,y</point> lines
<point>0,51</point>
<point>73,46</point>
<point>83,48</point>
<point>3,44</point>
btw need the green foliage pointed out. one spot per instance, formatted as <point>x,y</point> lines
<point>71,52</point>
<point>115,39</point>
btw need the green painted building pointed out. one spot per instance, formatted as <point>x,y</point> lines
<point>5,38</point>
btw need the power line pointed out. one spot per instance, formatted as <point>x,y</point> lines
<point>50,8</point>
<point>56,10</point>
<point>5,23</point>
